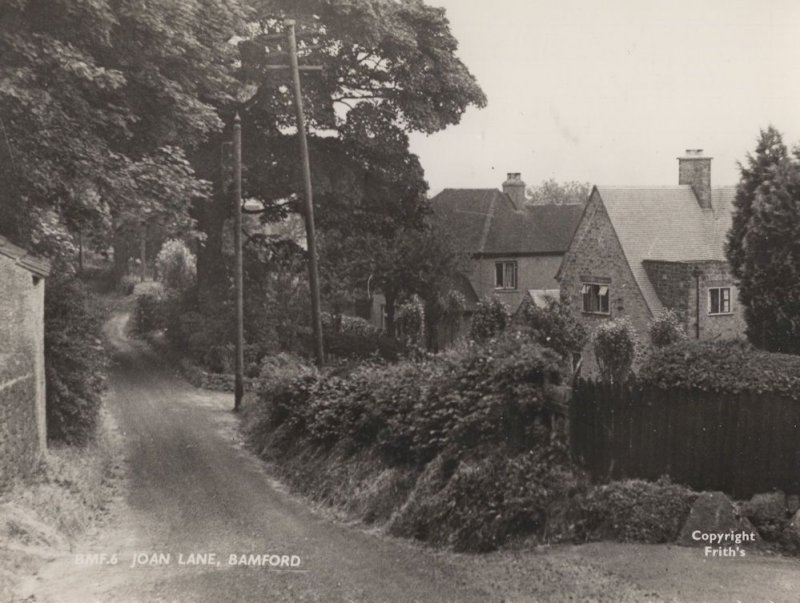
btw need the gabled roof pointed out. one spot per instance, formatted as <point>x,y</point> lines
<point>668,224</point>
<point>22,258</point>
<point>542,229</point>
<point>486,221</point>
<point>468,214</point>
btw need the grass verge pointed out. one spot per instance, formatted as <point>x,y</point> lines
<point>65,500</point>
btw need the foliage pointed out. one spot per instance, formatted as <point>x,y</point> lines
<point>99,106</point>
<point>730,366</point>
<point>636,511</point>
<point>126,285</point>
<point>354,325</point>
<point>763,246</point>
<point>491,317</point>
<point>481,502</point>
<point>75,361</point>
<point>615,343</point>
<point>176,265</point>
<point>666,328</point>
<point>390,69</point>
<point>414,410</point>
<point>410,320</point>
<point>550,192</point>
<point>554,326</point>
<point>148,313</point>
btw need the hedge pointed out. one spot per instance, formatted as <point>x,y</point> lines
<point>730,366</point>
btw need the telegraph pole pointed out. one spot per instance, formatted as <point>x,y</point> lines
<point>313,269</point>
<point>238,276</point>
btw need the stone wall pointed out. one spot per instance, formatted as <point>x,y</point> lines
<point>596,256</point>
<point>22,380</point>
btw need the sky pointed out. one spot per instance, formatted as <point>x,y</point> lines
<point>612,92</point>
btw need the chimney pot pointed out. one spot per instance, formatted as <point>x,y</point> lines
<point>694,169</point>
<point>514,187</point>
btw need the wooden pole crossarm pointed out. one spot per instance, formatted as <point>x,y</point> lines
<point>300,67</point>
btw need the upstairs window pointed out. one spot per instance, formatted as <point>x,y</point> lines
<point>505,275</point>
<point>595,298</point>
<point>719,300</point>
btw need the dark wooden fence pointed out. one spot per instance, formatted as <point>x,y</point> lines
<point>741,444</point>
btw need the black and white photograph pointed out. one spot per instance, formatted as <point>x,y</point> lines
<point>399,301</point>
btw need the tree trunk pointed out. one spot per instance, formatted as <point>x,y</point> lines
<point>390,301</point>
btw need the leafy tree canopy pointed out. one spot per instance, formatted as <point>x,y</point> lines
<point>99,101</point>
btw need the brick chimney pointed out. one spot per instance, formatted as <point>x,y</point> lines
<point>694,169</point>
<point>514,187</point>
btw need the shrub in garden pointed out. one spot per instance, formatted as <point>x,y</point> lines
<point>148,314</point>
<point>730,366</point>
<point>410,320</point>
<point>126,285</point>
<point>354,325</point>
<point>483,500</point>
<point>554,326</point>
<point>75,360</point>
<point>636,510</point>
<point>666,328</point>
<point>491,317</point>
<point>176,265</point>
<point>615,343</point>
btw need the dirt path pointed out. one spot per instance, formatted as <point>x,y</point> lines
<point>193,490</point>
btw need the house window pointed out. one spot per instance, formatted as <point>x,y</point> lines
<point>719,300</point>
<point>595,298</point>
<point>505,275</point>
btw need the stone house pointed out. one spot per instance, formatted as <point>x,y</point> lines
<point>639,250</point>
<point>516,250</point>
<point>23,433</point>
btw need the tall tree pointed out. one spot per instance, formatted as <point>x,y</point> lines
<point>389,68</point>
<point>763,244</point>
<point>550,192</point>
<point>98,102</point>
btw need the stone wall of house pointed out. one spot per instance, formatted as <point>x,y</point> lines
<point>719,326</point>
<point>533,272</point>
<point>596,256</point>
<point>22,380</point>
<point>672,281</point>
<point>677,289</point>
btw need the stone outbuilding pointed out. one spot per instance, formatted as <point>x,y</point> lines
<point>23,431</point>
<point>639,250</point>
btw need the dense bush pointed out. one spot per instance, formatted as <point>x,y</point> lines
<point>503,392</point>
<point>491,317</point>
<point>666,328</point>
<point>730,366</point>
<point>148,314</point>
<point>478,503</point>
<point>75,360</point>
<point>410,320</point>
<point>615,343</point>
<point>353,325</point>
<point>554,326</point>
<point>126,285</point>
<point>636,511</point>
<point>176,266</point>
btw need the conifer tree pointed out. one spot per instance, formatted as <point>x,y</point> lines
<point>764,244</point>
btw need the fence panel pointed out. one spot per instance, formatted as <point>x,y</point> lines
<point>741,444</point>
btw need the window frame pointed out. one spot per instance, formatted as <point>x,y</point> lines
<point>720,301</point>
<point>515,272</point>
<point>587,288</point>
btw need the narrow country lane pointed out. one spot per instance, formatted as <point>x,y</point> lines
<point>193,490</point>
